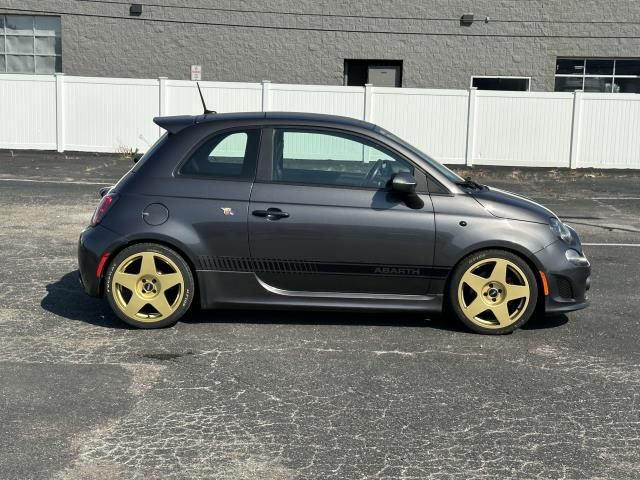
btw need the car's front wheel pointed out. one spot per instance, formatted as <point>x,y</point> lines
<point>493,292</point>
<point>149,286</point>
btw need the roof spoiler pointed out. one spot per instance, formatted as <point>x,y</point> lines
<point>175,123</point>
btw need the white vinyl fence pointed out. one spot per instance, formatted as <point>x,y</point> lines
<point>454,126</point>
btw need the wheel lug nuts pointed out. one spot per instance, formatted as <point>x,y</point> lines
<point>154,280</point>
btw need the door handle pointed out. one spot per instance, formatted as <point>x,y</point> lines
<point>271,214</point>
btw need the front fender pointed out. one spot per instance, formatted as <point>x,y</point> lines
<point>463,226</point>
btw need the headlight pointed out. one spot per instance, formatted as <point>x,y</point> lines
<point>560,230</point>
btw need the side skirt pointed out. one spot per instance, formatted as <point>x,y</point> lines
<point>220,289</point>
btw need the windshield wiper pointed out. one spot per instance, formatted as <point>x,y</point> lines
<point>468,182</point>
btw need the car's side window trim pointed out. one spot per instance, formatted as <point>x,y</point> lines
<point>177,171</point>
<point>265,154</point>
<point>443,191</point>
<point>265,162</point>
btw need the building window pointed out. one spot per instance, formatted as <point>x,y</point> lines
<point>30,44</point>
<point>514,84</point>
<point>380,73</point>
<point>610,75</point>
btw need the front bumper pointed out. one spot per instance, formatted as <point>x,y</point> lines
<point>568,283</point>
<point>95,242</point>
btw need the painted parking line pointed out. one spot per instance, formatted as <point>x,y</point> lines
<point>60,182</point>
<point>615,198</point>
<point>611,244</point>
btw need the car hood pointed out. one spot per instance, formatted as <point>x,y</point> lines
<point>509,205</point>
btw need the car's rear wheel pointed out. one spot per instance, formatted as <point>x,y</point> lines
<point>493,292</point>
<point>149,286</point>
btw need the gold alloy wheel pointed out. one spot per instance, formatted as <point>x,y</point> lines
<point>147,286</point>
<point>494,293</point>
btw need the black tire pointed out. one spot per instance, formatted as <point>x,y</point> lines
<point>163,259</point>
<point>496,296</point>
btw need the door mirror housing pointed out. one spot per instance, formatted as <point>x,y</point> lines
<point>403,183</point>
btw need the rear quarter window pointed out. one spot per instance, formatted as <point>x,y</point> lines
<point>229,154</point>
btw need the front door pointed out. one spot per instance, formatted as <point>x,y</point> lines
<point>325,221</point>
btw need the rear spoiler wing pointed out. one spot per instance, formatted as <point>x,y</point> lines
<point>175,123</point>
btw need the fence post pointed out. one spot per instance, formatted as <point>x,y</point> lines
<point>576,127</point>
<point>162,84</point>
<point>266,95</point>
<point>59,111</point>
<point>368,102</point>
<point>471,126</point>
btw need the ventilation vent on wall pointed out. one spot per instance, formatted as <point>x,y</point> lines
<point>466,20</point>
<point>135,10</point>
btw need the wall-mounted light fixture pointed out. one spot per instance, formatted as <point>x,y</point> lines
<point>135,10</point>
<point>466,20</point>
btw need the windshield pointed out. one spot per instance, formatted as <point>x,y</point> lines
<point>449,174</point>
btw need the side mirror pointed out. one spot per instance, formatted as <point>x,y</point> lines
<point>136,156</point>
<point>403,183</point>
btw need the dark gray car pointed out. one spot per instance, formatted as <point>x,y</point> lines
<point>292,210</point>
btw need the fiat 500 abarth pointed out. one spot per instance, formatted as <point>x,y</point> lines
<point>291,210</point>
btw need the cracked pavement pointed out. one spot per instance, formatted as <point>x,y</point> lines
<point>309,395</point>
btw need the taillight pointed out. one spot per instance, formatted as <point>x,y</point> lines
<point>104,206</point>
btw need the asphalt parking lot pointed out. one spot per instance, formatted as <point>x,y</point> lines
<point>275,395</point>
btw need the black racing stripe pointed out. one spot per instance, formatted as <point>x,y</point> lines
<point>271,265</point>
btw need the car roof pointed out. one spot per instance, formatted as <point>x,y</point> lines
<point>319,118</point>
<point>173,124</point>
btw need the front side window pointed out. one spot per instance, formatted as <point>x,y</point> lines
<point>30,44</point>
<point>449,174</point>
<point>333,159</point>
<point>617,75</point>
<point>229,154</point>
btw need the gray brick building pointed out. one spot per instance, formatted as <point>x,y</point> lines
<point>539,45</point>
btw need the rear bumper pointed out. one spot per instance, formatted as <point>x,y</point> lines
<point>95,242</point>
<point>568,283</point>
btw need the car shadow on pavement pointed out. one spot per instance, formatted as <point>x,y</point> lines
<point>382,319</point>
<point>66,298</point>
<point>324,317</point>
<point>542,323</point>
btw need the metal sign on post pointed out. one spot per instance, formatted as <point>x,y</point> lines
<point>196,72</point>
